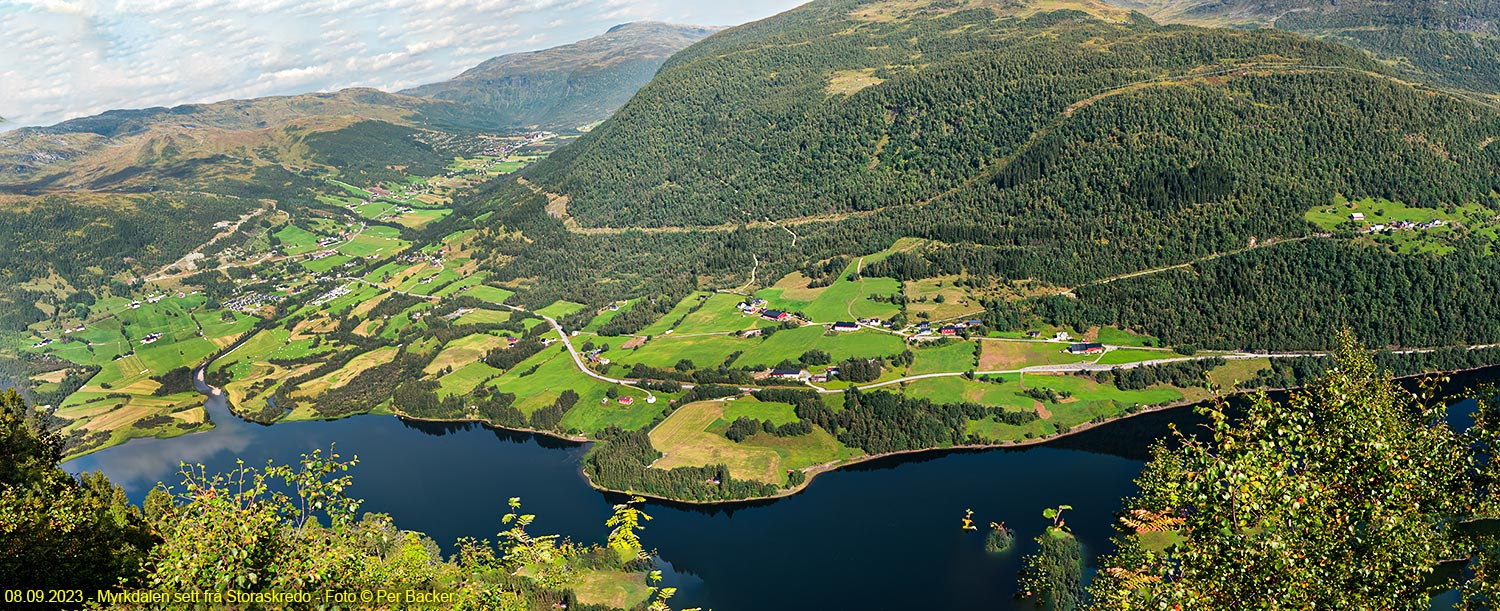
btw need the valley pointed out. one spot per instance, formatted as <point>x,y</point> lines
<point>463,275</point>
<point>817,279</point>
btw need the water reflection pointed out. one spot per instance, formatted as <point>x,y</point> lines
<point>881,535</point>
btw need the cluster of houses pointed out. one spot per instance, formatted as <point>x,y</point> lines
<point>1404,226</point>
<point>151,339</point>
<point>331,240</point>
<point>435,258</point>
<point>428,280</point>
<point>757,307</point>
<point>803,374</point>
<point>252,301</point>
<point>925,328</point>
<point>398,211</point>
<point>594,357</point>
<point>335,293</point>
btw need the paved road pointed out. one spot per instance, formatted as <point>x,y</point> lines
<point>1065,368</point>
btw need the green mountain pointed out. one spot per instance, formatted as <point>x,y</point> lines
<point>571,85</point>
<point>1059,147</point>
<point>1450,43</point>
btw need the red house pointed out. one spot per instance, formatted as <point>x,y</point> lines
<point>776,315</point>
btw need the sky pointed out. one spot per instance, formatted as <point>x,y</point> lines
<point>61,59</point>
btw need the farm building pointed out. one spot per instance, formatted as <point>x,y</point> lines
<point>776,315</point>
<point>1357,216</point>
<point>627,400</point>
<point>948,330</point>
<point>845,326</point>
<point>1089,348</point>
<point>789,374</point>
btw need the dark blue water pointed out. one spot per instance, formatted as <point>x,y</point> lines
<point>882,535</point>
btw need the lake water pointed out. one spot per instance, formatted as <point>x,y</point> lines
<point>881,535</point>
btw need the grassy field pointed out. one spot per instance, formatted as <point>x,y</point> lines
<point>465,378</point>
<point>719,315</point>
<point>560,309</point>
<point>483,317</point>
<point>1115,337</point>
<point>1089,400</point>
<point>958,356</point>
<point>939,299</point>
<point>489,293</point>
<point>704,351</point>
<point>750,407</point>
<point>792,343</point>
<point>343,375</point>
<point>464,351</point>
<point>678,312</point>
<point>1120,357</point>
<point>685,439</point>
<point>1003,355</point>
<point>848,299</point>
<point>555,372</point>
<point>791,293</point>
<point>296,240</point>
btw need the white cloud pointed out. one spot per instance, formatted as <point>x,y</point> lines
<point>68,58</point>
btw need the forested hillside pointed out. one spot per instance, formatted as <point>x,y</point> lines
<point>567,86</point>
<point>836,108</point>
<point>1064,147</point>
<point>1447,43</point>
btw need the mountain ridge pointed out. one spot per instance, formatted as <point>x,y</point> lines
<point>568,85</point>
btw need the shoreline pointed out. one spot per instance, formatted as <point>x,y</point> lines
<point>811,473</point>
<point>816,470</point>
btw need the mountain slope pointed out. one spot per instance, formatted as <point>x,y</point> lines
<point>193,145</point>
<point>1044,152</point>
<point>1450,43</point>
<point>841,107</point>
<point>570,85</point>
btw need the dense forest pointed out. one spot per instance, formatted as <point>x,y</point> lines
<point>1450,43</point>
<point>1294,296</point>
<point>987,91</point>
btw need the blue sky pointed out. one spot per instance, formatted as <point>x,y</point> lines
<point>61,59</point>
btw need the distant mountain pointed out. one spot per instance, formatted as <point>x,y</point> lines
<point>1449,43</point>
<point>197,146</point>
<point>571,85</point>
<point>184,146</point>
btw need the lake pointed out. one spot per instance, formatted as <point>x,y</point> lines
<point>880,535</point>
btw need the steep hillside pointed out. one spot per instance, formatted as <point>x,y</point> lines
<point>843,106</point>
<point>1060,147</point>
<point>571,85</point>
<point>1451,43</point>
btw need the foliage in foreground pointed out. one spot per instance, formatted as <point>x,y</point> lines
<point>276,529</point>
<point>1353,494</point>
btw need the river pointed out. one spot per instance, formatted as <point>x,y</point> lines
<point>880,535</point>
